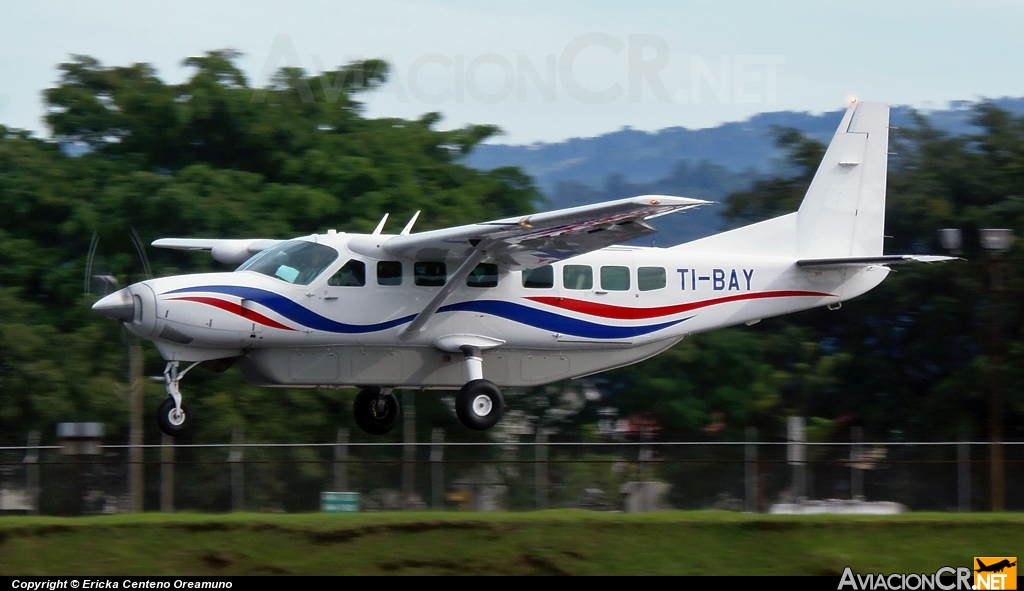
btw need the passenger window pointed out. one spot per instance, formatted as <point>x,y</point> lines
<point>650,278</point>
<point>429,274</point>
<point>485,275</point>
<point>577,277</point>
<point>539,278</point>
<point>615,278</point>
<point>389,273</point>
<point>352,274</point>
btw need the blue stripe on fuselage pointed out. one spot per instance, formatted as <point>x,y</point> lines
<point>511,311</point>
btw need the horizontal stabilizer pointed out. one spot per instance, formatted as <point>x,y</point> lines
<point>893,259</point>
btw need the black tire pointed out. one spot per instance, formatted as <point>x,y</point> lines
<point>374,413</point>
<point>479,405</point>
<point>169,421</point>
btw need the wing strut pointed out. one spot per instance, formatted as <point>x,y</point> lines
<point>454,281</point>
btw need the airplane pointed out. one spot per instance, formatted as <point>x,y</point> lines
<point>996,567</point>
<point>515,302</point>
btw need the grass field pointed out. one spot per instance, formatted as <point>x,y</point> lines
<point>547,542</point>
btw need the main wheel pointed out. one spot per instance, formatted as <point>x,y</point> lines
<point>374,413</point>
<point>479,405</point>
<point>171,420</point>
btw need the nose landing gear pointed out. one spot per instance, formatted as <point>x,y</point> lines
<point>173,416</point>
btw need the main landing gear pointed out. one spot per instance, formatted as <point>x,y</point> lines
<point>479,404</point>
<point>173,416</point>
<point>376,410</point>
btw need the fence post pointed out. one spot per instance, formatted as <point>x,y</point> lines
<point>541,468</point>
<point>796,433</point>
<point>32,470</point>
<point>166,473</point>
<point>963,476</point>
<point>750,471</point>
<point>235,457</point>
<point>856,467</point>
<point>341,461</point>
<point>437,468</point>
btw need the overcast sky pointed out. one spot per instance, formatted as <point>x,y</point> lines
<point>548,70</point>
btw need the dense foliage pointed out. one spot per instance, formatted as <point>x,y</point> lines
<point>215,157</point>
<point>209,157</point>
<point>912,360</point>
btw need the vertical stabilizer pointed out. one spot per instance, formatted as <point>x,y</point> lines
<point>843,212</point>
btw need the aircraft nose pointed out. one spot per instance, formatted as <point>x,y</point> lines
<point>119,305</point>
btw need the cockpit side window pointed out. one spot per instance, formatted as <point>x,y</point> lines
<point>351,274</point>
<point>297,262</point>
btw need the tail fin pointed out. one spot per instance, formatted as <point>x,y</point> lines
<point>843,212</point>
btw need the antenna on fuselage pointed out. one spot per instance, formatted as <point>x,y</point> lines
<point>408,227</point>
<point>380,226</point>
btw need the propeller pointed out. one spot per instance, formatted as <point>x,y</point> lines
<point>113,303</point>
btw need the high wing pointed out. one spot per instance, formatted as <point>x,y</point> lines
<point>228,251</point>
<point>530,241</point>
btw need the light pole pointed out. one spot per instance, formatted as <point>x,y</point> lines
<point>996,241</point>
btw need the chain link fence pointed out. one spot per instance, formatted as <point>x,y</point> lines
<point>611,476</point>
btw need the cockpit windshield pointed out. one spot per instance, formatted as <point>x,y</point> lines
<point>297,262</point>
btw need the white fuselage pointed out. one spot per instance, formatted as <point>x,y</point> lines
<point>638,302</point>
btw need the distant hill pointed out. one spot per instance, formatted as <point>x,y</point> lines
<point>704,163</point>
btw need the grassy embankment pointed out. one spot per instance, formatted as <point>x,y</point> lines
<point>548,542</point>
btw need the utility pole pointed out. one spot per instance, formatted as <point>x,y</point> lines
<point>997,242</point>
<point>135,438</point>
<point>409,449</point>
<point>995,415</point>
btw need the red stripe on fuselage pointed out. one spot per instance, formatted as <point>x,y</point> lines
<point>626,313</point>
<point>235,309</point>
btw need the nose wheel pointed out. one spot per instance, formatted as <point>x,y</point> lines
<point>173,416</point>
<point>173,420</point>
